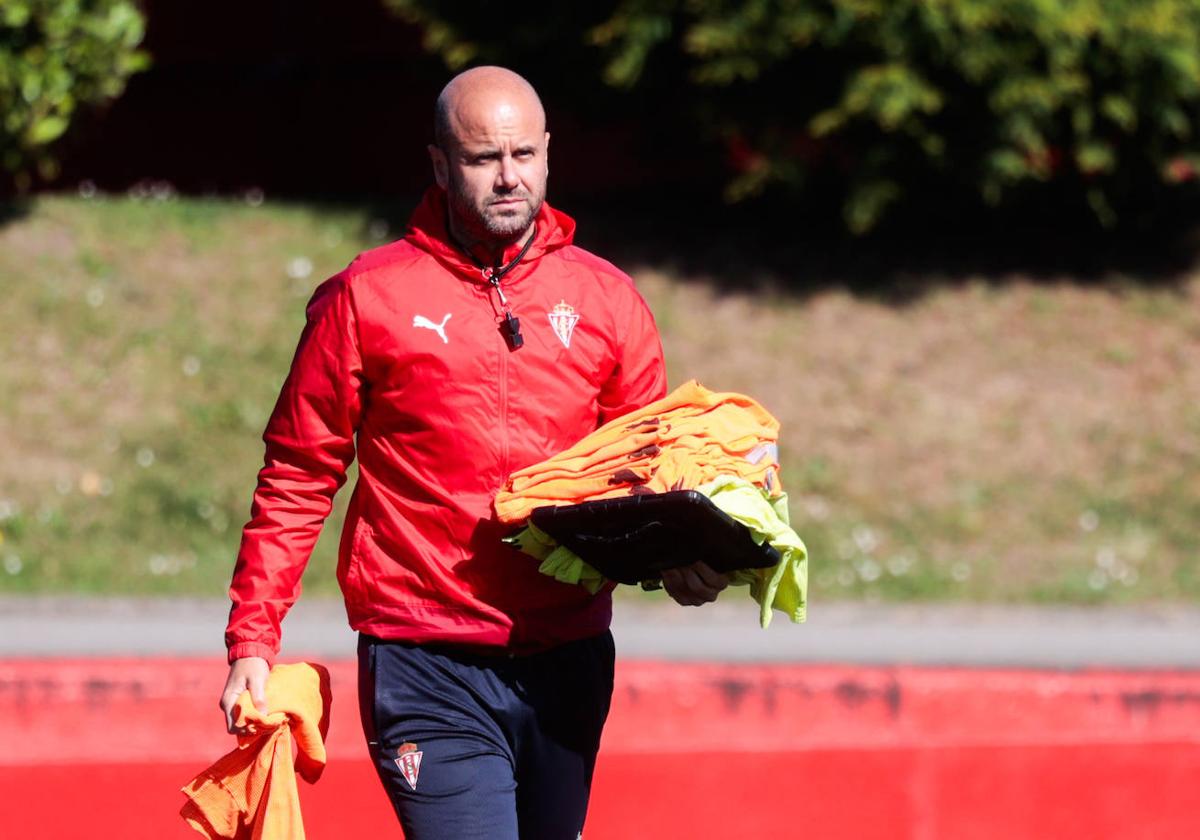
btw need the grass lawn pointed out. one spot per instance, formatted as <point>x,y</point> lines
<point>990,439</point>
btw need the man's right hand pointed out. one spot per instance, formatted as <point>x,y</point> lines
<point>248,674</point>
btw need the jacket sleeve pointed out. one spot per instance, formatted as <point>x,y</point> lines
<point>640,375</point>
<point>309,445</point>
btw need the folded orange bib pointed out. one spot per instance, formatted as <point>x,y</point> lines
<point>682,441</point>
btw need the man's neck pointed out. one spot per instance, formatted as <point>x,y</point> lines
<point>489,251</point>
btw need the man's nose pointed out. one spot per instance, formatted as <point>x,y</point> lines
<point>507,178</point>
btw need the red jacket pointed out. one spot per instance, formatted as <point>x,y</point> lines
<point>402,351</point>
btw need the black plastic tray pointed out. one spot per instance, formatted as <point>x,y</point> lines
<point>633,538</point>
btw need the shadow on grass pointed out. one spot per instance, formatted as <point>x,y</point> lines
<point>13,210</point>
<point>796,252</point>
<point>771,245</point>
<point>748,248</point>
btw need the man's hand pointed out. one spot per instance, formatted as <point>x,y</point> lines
<point>248,674</point>
<point>694,585</point>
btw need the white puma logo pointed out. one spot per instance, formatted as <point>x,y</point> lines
<point>440,329</point>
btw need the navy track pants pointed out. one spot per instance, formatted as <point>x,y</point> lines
<point>472,746</point>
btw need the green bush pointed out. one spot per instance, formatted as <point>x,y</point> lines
<point>997,99</point>
<point>56,58</point>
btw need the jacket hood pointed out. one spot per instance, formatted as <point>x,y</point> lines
<point>428,230</point>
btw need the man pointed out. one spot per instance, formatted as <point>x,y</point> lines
<point>480,343</point>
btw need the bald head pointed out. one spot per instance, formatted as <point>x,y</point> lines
<point>476,94</point>
<point>490,155</point>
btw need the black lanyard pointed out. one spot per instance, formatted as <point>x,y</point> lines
<point>496,273</point>
<point>510,327</point>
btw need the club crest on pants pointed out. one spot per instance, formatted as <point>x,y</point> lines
<point>408,759</point>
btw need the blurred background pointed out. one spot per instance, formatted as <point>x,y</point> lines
<point>951,245</point>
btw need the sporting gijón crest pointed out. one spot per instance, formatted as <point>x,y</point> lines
<point>563,319</point>
<point>408,759</point>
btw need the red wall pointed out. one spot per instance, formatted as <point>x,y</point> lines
<point>100,748</point>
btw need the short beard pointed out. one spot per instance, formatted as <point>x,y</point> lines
<point>509,226</point>
<point>483,227</point>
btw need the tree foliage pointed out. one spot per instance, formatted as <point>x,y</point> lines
<point>997,99</point>
<point>56,58</point>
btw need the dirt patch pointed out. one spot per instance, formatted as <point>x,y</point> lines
<point>992,418</point>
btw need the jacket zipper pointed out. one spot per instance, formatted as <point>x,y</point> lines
<point>494,281</point>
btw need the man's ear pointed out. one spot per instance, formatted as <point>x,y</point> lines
<point>546,154</point>
<point>441,167</point>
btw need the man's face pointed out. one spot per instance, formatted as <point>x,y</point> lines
<point>494,172</point>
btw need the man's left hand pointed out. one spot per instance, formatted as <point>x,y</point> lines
<point>694,585</point>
